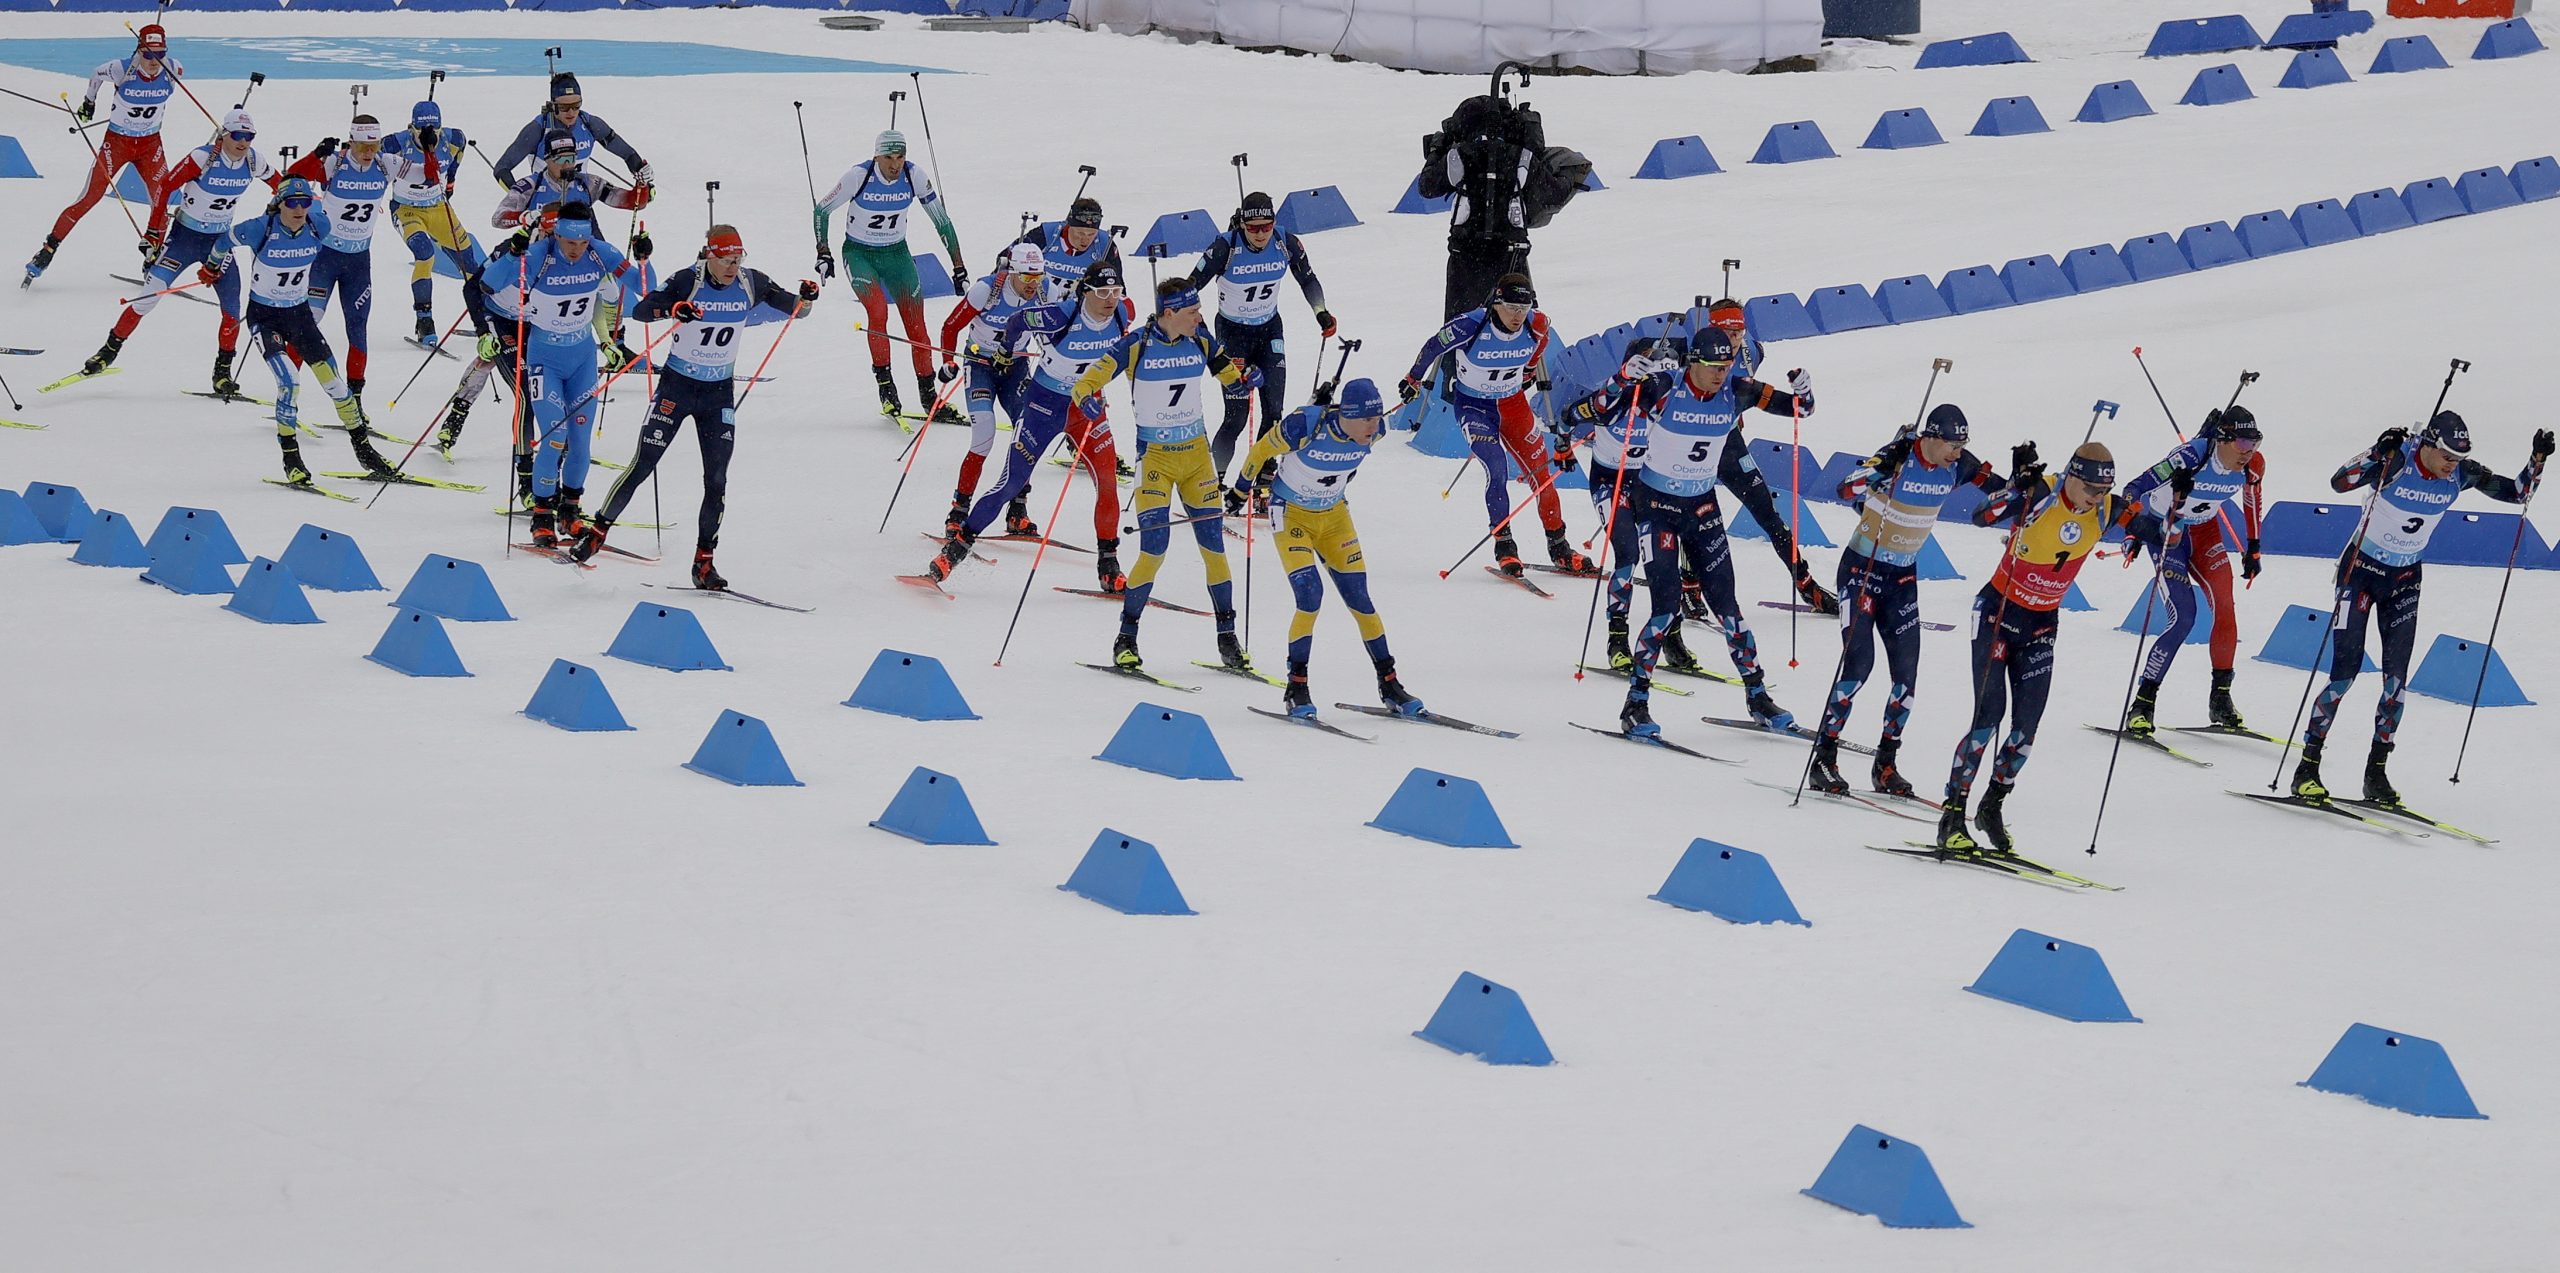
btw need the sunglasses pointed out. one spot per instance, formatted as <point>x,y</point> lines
<point>149,55</point>
<point>569,107</point>
<point>1104,289</point>
<point>238,136</point>
<point>1717,368</point>
<point>297,201</point>
<point>2245,443</point>
<point>1260,226</point>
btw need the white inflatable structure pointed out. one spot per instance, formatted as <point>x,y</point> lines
<point>1614,37</point>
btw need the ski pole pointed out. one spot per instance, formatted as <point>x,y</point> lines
<point>710,205</point>
<point>181,287</point>
<point>1085,178</point>
<point>2491,651</point>
<point>2150,598</point>
<point>434,78</point>
<point>1730,265</point>
<point>1795,513</point>
<point>1463,462</point>
<point>43,103</point>
<point>1856,596</point>
<point>1239,160</point>
<point>896,95</point>
<point>1249,520</point>
<point>756,377</point>
<point>807,176</point>
<point>1609,525</point>
<point>1046,532</point>
<point>2247,378</point>
<point>2346,561</point>
<point>394,404</point>
<point>910,454</point>
<point>14,404</point>
<point>925,117</point>
<point>1498,527</point>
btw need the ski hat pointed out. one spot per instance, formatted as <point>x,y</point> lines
<point>2231,425</point>
<point>1256,207</point>
<point>365,128</point>
<point>1176,294</point>
<point>723,241</point>
<point>1946,423</point>
<point>1085,213</point>
<point>1104,275</point>
<point>890,142</point>
<point>557,142</point>
<point>1025,258</point>
<point>577,221</point>
<point>1513,289</point>
<point>564,84</point>
<point>236,120</point>
<point>1709,344</point>
<point>426,115</point>
<point>1726,312</point>
<point>2448,433</point>
<point>296,188</point>
<point>152,37</point>
<point>1360,398</point>
<point>2093,464</point>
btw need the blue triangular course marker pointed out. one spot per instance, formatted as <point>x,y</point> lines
<point>1181,233</point>
<point>2150,607</point>
<point>2536,179</point>
<point>2320,29</point>
<point>2055,977</point>
<point>670,637</point>
<point>2301,639</point>
<point>1779,316</point>
<point>931,807</point>
<point>1844,308</point>
<point>415,645</point>
<point>2271,233</point>
<point>1444,809</point>
<point>740,751</point>
<point>1486,1020</point>
<point>109,540</point>
<point>189,567</point>
<point>1435,430</point>
<point>329,560</point>
<point>1746,524</point>
<point>1414,204</point>
<point>1932,561</point>
<point>1128,875</point>
<point>454,589</point>
<point>933,278</point>
<point>19,523</point>
<point>2408,53</point>
<point>1675,157</point>
<point>269,593</point>
<point>1162,740</point>
<point>2154,256</point>
<point>2432,200</point>
<point>2395,1071</point>
<point>1734,885</point>
<point>1312,211</point>
<point>915,686</point>
<point>1994,49</point>
<point>1973,289</point>
<point>573,697</point>
<point>2096,266</point>
<point>1794,143</point>
<point>2077,600</point>
<point>2455,666</point>
<point>2487,190</point>
<point>1906,129</point>
<point>13,158</point>
<point>2222,34</point>
<point>62,509</point>
<point>2036,278</point>
<point>1912,298</point>
<point>1877,1175</point>
<point>2323,222</point>
<point>2315,68</point>
<point>2511,38</point>
<point>129,186</point>
<point>2211,244</point>
<point>2010,117</point>
<point>204,523</point>
<point>2379,211</point>
<point>2111,101</point>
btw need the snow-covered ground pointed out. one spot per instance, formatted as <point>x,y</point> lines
<point>312,966</point>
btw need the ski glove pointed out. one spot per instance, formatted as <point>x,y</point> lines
<point>685,312</point>
<point>641,245</point>
<point>2541,445</point>
<point>2392,439</point>
<point>88,111</point>
<point>328,146</point>
<point>1799,384</point>
<point>2021,458</point>
<point>947,372</point>
<point>1324,322</point>
<point>808,289</point>
<point>2181,485</point>
<point>213,269</point>
<point>826,262</point>
<point>644,176</point>
<point>1408,389</point>
<point>2249,560</point>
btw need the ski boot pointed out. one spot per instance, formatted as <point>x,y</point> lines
<point>1888,775</point>
<point>1810,591</point>
<point>224,382</point>
<point>889,404</point>
<point>1506,556</point>
<point>2377,780</point>
<point>1294,699</point>
<point>546,535</point>
<point>2306,777</point>
<point>1987,820</point>
<point>573,520</point>
<point>1392,692</point>
<point>2146,701</point>
<point>1563,556</point>
<point>588,540</point>
<point>2225,713</point>
<point>1676,656</point>
<point>361,438</point>
<point>1231,653</point>
<point>1620,658</point>
<point>1635,716</point>
<point>1124,651</point>
<point>1106,567</point>
<point>1693,597</point>
<point>295,470</point>
<point>924,392</point>
<point>1952,837</point>
<point>957,518</point>
<point>104,358</point>
<point>706,576</point>
<point>426,329</point>
<point>955,549</point>
<point>1017,521</point>
<point>1825,774</point>
<point>450,431</point>
<point>43,257</point>
<point>1766,711</point>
